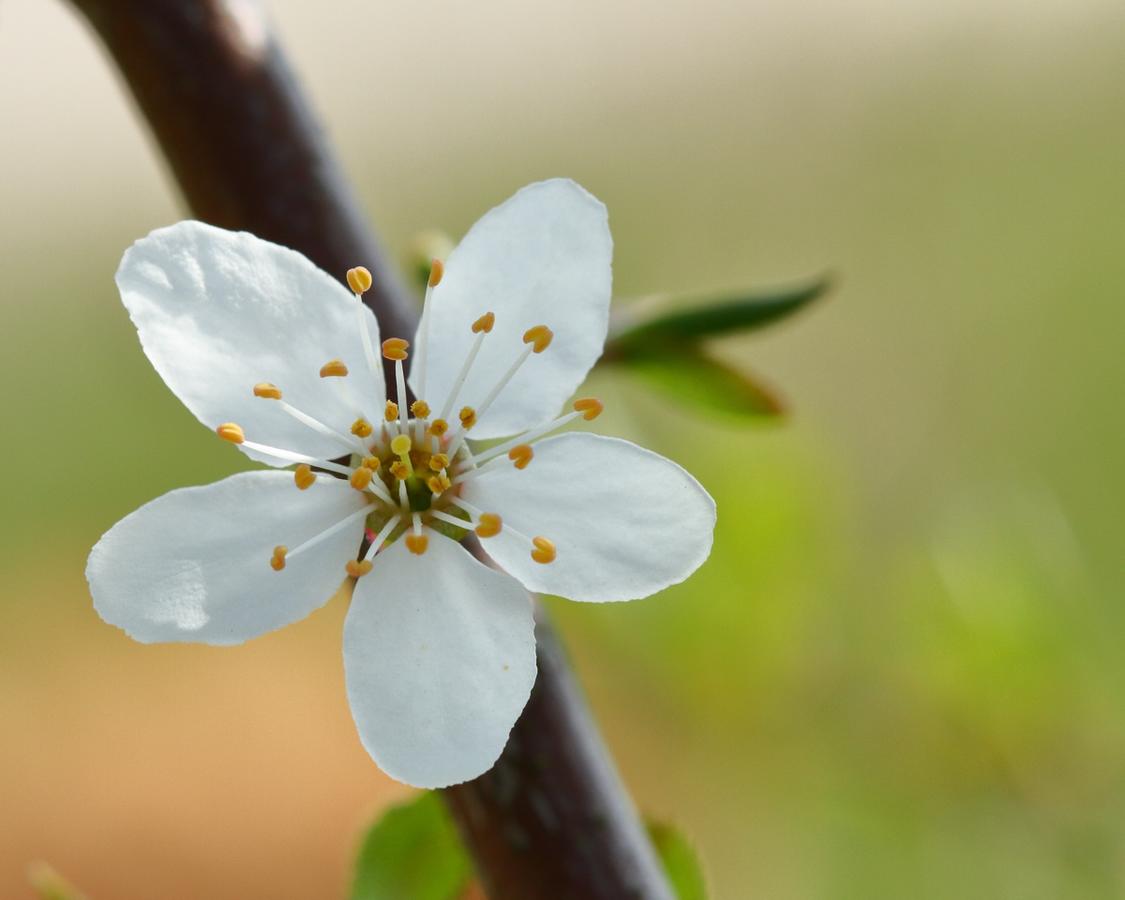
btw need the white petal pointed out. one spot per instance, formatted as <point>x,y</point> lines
<point>625,522</point>
<point>219,311</point>
<point>439,652</point>
<point>543,257</point>
<point>194,565</point>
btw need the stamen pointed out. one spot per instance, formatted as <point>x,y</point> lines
<point>437,270</point>
<point>439,483</point>
<point>420,409</point>
<point>289,455</point>
<point>544,551</point>
<point>540,337</point>
<point>590,407</point>
<point>267,390</point>
<point>416,541</point>
<point>390,411</point>
<point>439,461</point>
<point>361,428</point>
<point>488,525</point>
<point>439,427</point>
<point>484,323</point>
<point>452,520</point>
<point>395,349</point>
<point>468,417</point>
<point>400,470</point>
<point>277,561</point>
<point>381,537</point>
<point>521,455</point>
<point>334,368</point>
<point>359,280</point>
<point>357,569</point>
<point>372,462</point>
<point>330,530</point>
<point>361,478</point>
<point>459,381</point>
<point>318,426</point>
<point>228,431</point>
<point>361,320</point>
<point>534,434</point>
<point>303,477</point>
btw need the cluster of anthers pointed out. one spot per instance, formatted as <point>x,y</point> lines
<point>411,465</point>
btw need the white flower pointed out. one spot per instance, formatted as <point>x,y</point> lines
<point>439,649</point>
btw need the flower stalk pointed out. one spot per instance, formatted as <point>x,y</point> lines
<point>551,818</point>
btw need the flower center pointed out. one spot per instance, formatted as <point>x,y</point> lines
<point>410,465</point>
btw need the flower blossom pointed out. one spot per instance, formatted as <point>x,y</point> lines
<point>283,361</point>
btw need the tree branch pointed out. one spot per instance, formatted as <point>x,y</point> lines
<point>551,819</point>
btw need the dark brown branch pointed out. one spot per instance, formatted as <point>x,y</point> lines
<point>551,819</point>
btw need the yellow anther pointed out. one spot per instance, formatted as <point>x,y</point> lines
<point>357,568</point>
<point>303,477</point>
<point>438,483</point>
<point>266,390</point>
<point>334,368</point>
<point>468,417</point>
<point>437,270</point>
<point>438,427</point>
<point>401,445</point>
<point>488,525</point>
<point>539,337</point>
<point>390,411</point>
<point>420,409</point>
<point>521,455</point>
<point>395,348</point>
<point>277,561</point>
<point>359,280</point>
<point>362,428</point>
<point>400,470</point>
<point>361,478</point>
<point>484,323</point>
<point>417,543</point>
<point>590,407</point>
<point>228,431</point>
<point>544,551</point>
<point>372,463</point>
<point>439,461</point>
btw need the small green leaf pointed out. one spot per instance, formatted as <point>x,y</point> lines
<point>702,383</point>
<point>681,864</point>
<point>412,853</point>
<point>679,319</point>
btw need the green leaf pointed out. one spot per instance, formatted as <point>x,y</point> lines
<point>679,320</point>
<point>680,861</point>
<point>703,383</point>
<point>412,853</point>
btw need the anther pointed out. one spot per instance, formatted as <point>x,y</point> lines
<point>539,337</point>
<point>521,455</point>
<point>359,280</point>
<point>468,417</point>
<point>437,270</point>
<point>544,551</point>
<point>488,525</point>
<point>334,368</point>
<point>438,427</point>
<point>303,477</point>
<point>438,483</point>
<point>228,431</point>
<point>590,407</point>
<point>395,348</point>
<point>277,561</point>
<point>357,568</point>
<point>400,470</point>
<point>484,323</point>
<point>417,543</point>
<point>362,428</point>
<point>372,463</point>
<point>439,461</point>
<point>267,391</point>
<point>361,478</point>
<point>390,411</point>
<point>420,409</point>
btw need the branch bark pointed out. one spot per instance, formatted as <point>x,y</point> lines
<point>551,819</point>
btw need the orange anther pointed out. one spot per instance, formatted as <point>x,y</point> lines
<point>468,417</point>
<point>439,461</point>
<point>357,568</point>
<point>400,470</point>
<point>417,543</point>
<point>544,551</point>
<point>488,525</point>
<point>590,407</point>
<point>395,348</point>
<point>484,323</point>
<point>539,337</point>
<point>420,409</point>
<point>334,368</point>
<point>303,477</point>
<point>361,478</point>
<point>437,269</point>
<point>277,561</point>
<point>437,484</point>
<point>372,463</point>
<point>521,455</point>
<point>362,428</point>
<point>359,280</point>
<point>438,427</point>
<point>228,431</point>
<point>390,411</point>
<point>267,390</point>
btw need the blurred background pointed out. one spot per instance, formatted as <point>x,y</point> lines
<point>900,673</point>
